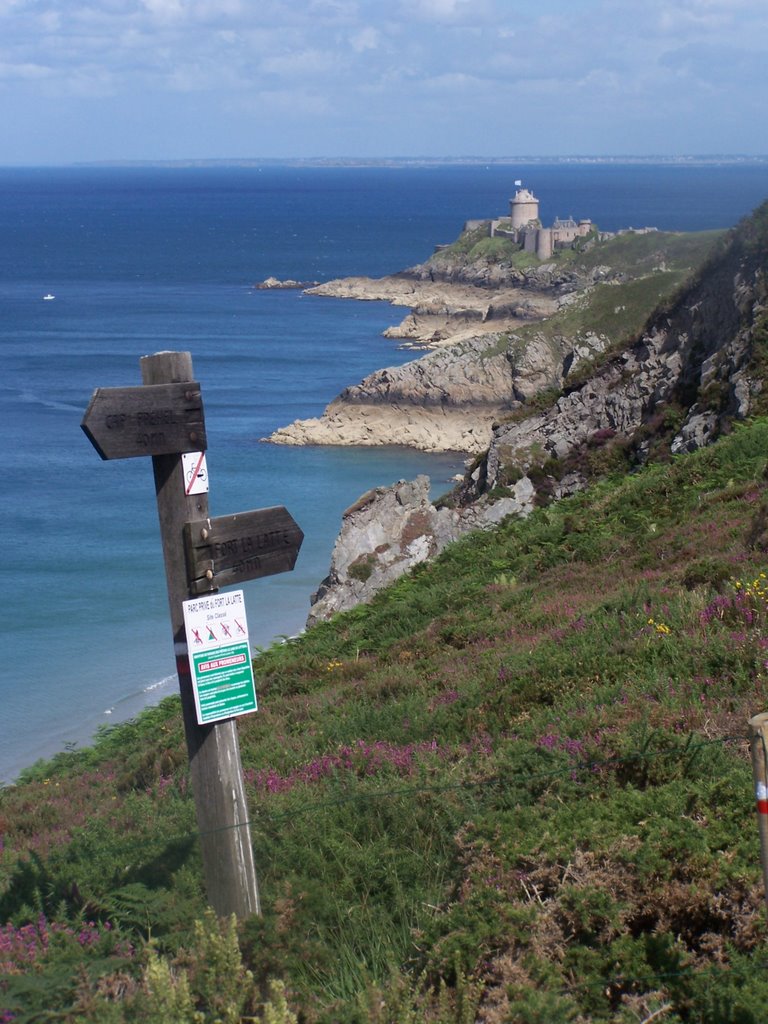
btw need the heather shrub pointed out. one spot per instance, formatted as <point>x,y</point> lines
<point>516,784</point>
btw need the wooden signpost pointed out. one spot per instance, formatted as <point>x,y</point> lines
<point>246,546</point>
<point>161,419</point>
<point>164,418</point>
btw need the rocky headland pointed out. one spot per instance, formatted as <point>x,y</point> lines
<point>448,399</point>
<point>476,308</point>
<point>629,349</point>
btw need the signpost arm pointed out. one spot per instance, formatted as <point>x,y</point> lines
<point>214,752</point>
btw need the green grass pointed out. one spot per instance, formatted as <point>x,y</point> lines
<point>518,777</point>
<point>646,253</point>
<point>628,254</point>
<point>657,265</point>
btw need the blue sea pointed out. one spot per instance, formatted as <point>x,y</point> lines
<point>145,259</point>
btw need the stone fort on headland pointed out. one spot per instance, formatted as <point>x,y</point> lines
<point>524,227</point>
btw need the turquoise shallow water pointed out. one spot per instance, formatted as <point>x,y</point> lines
<point>145,260</point>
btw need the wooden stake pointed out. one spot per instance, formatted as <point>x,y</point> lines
<point>214,752</point>
<point>758,737</point>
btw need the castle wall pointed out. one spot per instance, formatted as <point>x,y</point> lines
<point>544,243</point>
<point>566,232</point>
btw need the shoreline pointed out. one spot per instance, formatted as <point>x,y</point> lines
<point>123,711</point>
<point>450,395</point>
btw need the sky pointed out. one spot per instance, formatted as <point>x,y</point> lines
<point>105,80</point>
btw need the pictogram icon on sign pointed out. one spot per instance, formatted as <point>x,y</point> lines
<point>195,473</point>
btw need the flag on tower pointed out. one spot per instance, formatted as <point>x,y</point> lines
<point>518,182</point>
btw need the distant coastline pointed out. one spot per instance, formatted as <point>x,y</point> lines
<point>683,160</point>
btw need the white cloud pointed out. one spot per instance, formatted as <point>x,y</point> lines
<point>367,38</point>
<point>218,9</point>
<point>293,103</point>
<point>195,11</point>
<point>445,10</point>
<point>341,10</point>
<point>88,82</point>
<point>195,77</point>
<point>24,72</point>
<point>299,63</point>
<point>453,82</point>
<point>716,68</point>
<point>473,63</point>
<point>166,10</point>
<point>705,18</point>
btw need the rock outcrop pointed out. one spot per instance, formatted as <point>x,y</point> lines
<point>445,401</point>
<point>448,399</point>
<point>690,374</point>
<point>275,284</point>
<point>444,311</point>
<point>389,530</point>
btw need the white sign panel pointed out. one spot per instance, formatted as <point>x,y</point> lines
<point>195,473</point>
<point>220,656</point>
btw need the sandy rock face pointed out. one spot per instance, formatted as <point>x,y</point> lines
<point>445,401</point>
<point>448,399</point>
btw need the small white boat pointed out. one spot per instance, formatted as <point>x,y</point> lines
<point>48,297</point>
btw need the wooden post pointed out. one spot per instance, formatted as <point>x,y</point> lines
<point>758,739</point>
<point>214,752</point>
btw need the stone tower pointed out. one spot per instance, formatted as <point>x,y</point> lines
<point>523,208</point>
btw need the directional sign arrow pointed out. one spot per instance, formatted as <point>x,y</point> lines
<point>156,419</point>
<point>245,546</point>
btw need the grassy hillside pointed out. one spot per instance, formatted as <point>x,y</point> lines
<point>514,788</point>
<point>634,276</point>
<point>632,253</point>
<point>645,270</point>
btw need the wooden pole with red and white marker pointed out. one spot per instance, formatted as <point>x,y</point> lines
<point>758,741</point>
<point>164,418</point>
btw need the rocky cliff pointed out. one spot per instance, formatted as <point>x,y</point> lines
<point>389,530</point>
<point>446,400</point>
<point>695,368</point>
<point>503,327</point>
<point>629,368</point>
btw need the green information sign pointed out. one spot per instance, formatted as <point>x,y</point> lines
<point>219,656</point>
<point>224,684</point>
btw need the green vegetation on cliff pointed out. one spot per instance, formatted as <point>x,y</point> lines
<point>642,272</point>
<point>513,788</point>
<point>630,254</point>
